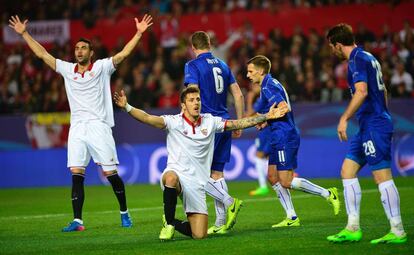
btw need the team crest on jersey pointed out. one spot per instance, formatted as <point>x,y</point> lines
<point>204,131</point>
<point>75,78</point>
<point>92,74</point>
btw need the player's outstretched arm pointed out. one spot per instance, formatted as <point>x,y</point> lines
<point>20,28</point>
<point>274,113</point>
<point>140,115</point>
<point>142,26</point>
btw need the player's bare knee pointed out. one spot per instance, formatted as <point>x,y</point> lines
<point>170,179</point>
<point>216,175</point>
<point>109,173</point>
<point>77,170</point>
<point>345,174</point>
<point>272,178</point>
<point>286,183</point>
<point>199,235</point>
<point>382,175</point>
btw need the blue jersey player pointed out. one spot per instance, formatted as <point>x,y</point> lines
<point>214,79</point>
<point>262,142</point>
<point>372,144</point>
<point>285,142</point>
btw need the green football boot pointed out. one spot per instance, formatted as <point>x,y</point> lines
<point>232,212</point>
<point>287,223</point>
<point>167,231</point>
<point>261,191</point>
<point>346,236</point>
<point>214,230</point>
<point>333,199</point>
<point>390,238</point>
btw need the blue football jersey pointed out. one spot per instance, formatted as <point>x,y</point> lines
<point>213,78</point>
<point>373,113</point>
<point>284,129</point>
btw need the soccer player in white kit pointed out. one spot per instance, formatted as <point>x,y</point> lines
<point>190,146</point>
<point>87,86</point>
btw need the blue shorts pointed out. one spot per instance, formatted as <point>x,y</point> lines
<point>284,158</point>
<point>222,148</point>
<point>371,147</point>
<point>263,140</point>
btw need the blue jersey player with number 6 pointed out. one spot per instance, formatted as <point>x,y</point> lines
<point>214,79</point>
<point>372,144</point>
<point>285,141</point>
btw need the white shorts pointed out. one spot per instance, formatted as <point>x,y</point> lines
<point>193,193</point>
<point>92,138</point>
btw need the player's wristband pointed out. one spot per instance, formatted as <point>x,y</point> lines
<point>128,107</point>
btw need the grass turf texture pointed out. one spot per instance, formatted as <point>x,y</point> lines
<point>31,221</point>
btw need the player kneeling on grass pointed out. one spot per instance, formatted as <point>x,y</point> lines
<point>190,146</point>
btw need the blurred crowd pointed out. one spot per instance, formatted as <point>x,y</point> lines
<point>91,10</point>
<point>153,76</point>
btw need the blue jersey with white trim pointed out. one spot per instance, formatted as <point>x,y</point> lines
<point>285,130</point>
<point>373,113</point>
<point>213,78</point>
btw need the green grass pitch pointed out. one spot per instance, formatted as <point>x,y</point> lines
<point>31,221</point>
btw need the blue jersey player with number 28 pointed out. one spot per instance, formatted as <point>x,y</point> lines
<point>214,79</point>
<point>372,144</point>
<point>285,142</point>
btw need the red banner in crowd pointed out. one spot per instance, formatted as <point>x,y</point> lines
<point>372,16</point>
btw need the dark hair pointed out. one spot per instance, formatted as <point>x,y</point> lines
<point>200,40</point>
<point>341,33</point>
<point>262,62</point>
<point>188,90</point>
<point>82,39</point>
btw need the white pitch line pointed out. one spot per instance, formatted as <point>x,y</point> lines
<point>248,200</point>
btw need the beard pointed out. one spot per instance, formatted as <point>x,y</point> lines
<point>83,61</point>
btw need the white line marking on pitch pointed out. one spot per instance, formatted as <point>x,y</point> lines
<point>248,200</point>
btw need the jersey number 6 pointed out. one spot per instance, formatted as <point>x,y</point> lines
<point>218,80</point>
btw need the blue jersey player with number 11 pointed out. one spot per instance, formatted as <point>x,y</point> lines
<point>372,144</point>
<point>214,79</point>
<point>285,141</point>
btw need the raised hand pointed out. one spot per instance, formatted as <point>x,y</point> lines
<point>145,23</point>
<point>120,99</point>
<point>17,25</point>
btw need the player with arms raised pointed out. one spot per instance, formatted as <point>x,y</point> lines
<point>190,149</point>
<point>87,85</point>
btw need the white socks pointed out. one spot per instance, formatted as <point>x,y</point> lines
<point>219,191</point>
<point>391,202</point>
<point>285,200</point>
<point>309,187</point>
<point>261,168</point>
<point>352,197</point>
<point>78,221</point>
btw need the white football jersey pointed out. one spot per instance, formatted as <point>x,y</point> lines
<point>191,147</point>
<point>89,94</point>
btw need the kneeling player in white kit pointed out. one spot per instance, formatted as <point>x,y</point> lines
<point>88,89</point>
<point>190,146</point>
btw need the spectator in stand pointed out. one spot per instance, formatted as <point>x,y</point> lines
<point>169,97</point>
<point>401,81</point>
<point>330,93</point>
